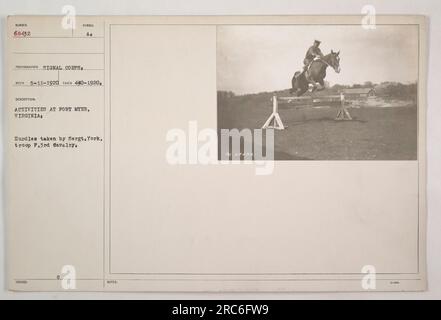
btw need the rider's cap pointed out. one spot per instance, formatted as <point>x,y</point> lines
<point>317,41</point>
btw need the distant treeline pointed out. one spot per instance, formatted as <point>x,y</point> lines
<point>385,89</point>
<point>225,94</point>
<point>395,90</point>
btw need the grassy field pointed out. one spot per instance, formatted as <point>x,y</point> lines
<point>376,133</point>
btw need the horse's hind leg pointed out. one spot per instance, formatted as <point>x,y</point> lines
<point>312,86</point>
<point>322,85</point>
<point>293,84</point>
<point>300,91</point>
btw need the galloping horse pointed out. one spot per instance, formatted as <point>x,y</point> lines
<point>315,74</point>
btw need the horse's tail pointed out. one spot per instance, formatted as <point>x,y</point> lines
<point>293,82</point>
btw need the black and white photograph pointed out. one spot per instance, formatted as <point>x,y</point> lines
<point>330,92</point>
<point>215,157</point>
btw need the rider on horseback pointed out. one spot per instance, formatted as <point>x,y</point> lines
<point>313,52</point>
<point>314,70</point>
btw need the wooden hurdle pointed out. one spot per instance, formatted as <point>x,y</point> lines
<point>274,117</point>
<point>342,113</point>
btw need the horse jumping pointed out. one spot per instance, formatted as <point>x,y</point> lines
<point>315,74</point>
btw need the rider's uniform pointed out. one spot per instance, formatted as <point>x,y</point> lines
<point>312,52</point>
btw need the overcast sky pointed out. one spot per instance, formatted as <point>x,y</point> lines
<point>252,59</point>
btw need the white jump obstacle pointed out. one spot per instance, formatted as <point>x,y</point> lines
<point>342,113</point>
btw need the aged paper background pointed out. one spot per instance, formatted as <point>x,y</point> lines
<point>219,227</point>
